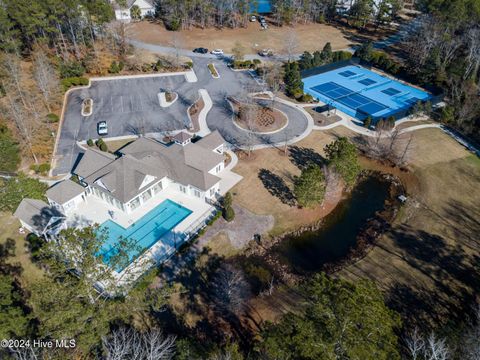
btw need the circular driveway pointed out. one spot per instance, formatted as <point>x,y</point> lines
<point>221,115</point>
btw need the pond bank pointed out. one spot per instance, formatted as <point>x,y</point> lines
<point>341,238</point>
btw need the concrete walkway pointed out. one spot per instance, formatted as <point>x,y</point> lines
<point>202,117</point>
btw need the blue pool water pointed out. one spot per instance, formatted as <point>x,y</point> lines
<point>261,7</point>
<point>360,92</point>
<point>146,231</point>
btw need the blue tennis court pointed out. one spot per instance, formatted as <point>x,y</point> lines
<point>360,92</point>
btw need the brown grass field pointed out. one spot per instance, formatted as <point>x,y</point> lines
<point>310,37</point>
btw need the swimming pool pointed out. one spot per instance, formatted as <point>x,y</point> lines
<point>144,232</point>
<point>360,92</point>
<point>261,7</point>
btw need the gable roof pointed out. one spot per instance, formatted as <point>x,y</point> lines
<point>185,164</point>
<point>91,161</point>
<point>64,191</point>
<point>123,177</point>
<point>36,214</point>
<point>212,140</point>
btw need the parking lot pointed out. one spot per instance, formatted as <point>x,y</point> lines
<point>129,106</point>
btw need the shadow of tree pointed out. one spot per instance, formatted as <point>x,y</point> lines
<point>453,273</point>
<point>303,157</point>
<point>276,186</point>
<point>197,271</point>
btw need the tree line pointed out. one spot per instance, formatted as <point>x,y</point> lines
<point>184,14</point>
<point>445,50</point>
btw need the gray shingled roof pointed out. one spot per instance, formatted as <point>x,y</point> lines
<point>35,213</point>
<point>211,141</point>
<point>182,136</point>
<point>64,191</point>
<point>187,164</point>
<point>122,178</point>
<point>91,161</point>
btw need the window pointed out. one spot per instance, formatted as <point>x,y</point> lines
<point>134,203</point>
<point>212,192</point>
<point>157,188</point>
<point>196,193</point>
<point>183,189</point>
<point>146,195</point>
<point>218,168</point>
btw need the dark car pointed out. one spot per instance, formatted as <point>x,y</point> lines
<point>200,50</point>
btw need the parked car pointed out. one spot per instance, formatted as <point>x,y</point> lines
<point>217,52</point>
<point>266,52</point>
<point>253,18</point>
<point>264,25</point>
<point>200,50</point>
<point>102,128</point>
<point>261,19</point>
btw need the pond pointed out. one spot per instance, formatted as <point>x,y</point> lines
<point>310,250</point>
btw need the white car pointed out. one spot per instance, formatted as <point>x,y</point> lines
<point>217,52</point>
<point>102,128</point>
<point>253,18</point>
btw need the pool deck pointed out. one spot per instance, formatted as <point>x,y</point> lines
<point>96,211</point>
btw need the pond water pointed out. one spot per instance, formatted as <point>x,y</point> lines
<point>312,249</point>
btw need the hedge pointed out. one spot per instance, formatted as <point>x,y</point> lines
<point>73,81</point>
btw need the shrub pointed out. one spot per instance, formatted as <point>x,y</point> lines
<point>99,142</point>
<point>173,24</point>
<point>306,98</point>
<point>114,68</point>
<point>257,61</point>
<point>367,122</point>
<point>73,81</point>
<point>44,168</point>
<point>52,118</point>
<point>40,168</point>
<point>90,142</point>
<point>298,94</point>
<point>228,214</point>
<point>103,147</point>
<point>227,200</point>
<point>189,64</point>
<point>71,69</point>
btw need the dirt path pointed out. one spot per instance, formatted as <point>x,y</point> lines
<point>310,37</point>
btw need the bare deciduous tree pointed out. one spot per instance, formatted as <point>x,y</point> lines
<point>45,76</point>
<point>290,45</point>
<point>230,288</point>
<point>128,344</point>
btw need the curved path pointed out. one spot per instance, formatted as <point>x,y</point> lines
<point>235,83</point>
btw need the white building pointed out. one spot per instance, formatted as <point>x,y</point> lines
<point>146,7</point>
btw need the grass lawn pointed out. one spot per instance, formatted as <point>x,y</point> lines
<point>282,170</point>
<point>9,225</point>
<point>428,262</point>
<point>221,246</point>
<point>115,145</point>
